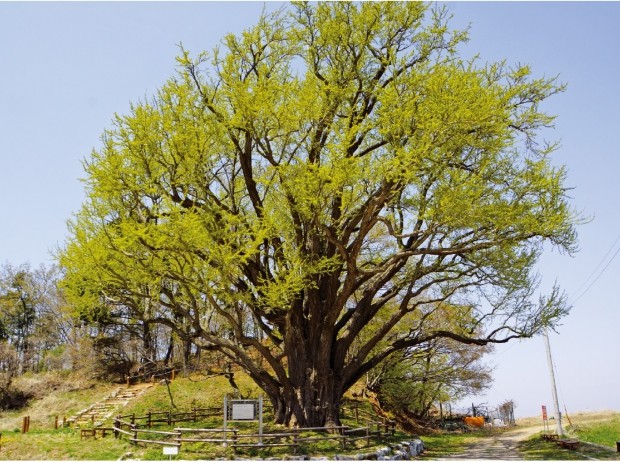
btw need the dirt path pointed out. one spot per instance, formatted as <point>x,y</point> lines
<point>502,446</point>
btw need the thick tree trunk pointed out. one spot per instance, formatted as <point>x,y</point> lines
<point>314,390</point>
<point>301,408</point>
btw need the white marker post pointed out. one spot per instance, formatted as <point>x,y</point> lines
<point>171,451</point>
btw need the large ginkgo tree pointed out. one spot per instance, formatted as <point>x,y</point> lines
<point>334,185</point>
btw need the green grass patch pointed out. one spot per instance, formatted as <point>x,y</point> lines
<point>605,433</point>
<point>197,391</point>
<point>535,448</point>
<point>59,445</point>
<point>448,443</point>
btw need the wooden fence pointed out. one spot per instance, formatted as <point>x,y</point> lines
<point>234,438</point>
<point>169,418</point>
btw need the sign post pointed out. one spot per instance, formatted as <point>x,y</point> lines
<point>170,451</point>
<point>544,416</point>
<point>244,410</point>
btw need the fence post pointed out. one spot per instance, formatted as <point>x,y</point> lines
<point>127,381</point>
<point>169,417</point>
<point>234,440</point>
<point>133,418</point>
<point>172,376</point>
<point>56,423</point>
<point>149,419</point>
<point>64,421</point>
<point>24,425</point>
<point>117,425</point>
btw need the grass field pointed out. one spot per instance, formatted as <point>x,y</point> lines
<point>64,398</point>
<point>440,445</point>
<point>600,428</point>
<point>43,442</point>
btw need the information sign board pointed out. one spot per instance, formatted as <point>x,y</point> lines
<point>171,450</point>
<point>243,411</point>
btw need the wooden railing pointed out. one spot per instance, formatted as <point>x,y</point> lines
<point>384,427</point>
<point>168,417</point>
<point>234,438</point>
<point>133,426</point>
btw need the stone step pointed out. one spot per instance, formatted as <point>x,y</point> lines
<point>104,410</point>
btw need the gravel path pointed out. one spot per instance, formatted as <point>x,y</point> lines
<point>502,446</point>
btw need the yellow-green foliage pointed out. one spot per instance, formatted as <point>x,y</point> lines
<point>336,163</point>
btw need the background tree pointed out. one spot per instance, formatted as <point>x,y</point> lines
<point>37,332</point>
<point>18,298</point>
<point>34,318</point>
<point>412,383</point>
<point>335,164</point>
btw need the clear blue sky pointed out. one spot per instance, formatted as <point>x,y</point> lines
<point>66,68</point>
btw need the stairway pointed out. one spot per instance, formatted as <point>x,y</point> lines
<point>96,414</point>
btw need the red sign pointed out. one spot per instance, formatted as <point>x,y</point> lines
<point>544,409</point>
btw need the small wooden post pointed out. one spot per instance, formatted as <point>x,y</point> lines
<point>64,421</point>
<point>133,418</point>
<point>172,376</point>
<point>148,416</point>
<point>92,419</point>
<point>127,381</point>
<point>234,440</point>
<point>117,425</point>
<point>56,423</point>
<point>24,425</point>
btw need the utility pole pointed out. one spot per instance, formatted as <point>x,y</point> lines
<point>558,415</point>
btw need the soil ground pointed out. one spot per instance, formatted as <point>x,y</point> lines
<point>500,446</point>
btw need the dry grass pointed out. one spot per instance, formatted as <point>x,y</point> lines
<point>60,396</point>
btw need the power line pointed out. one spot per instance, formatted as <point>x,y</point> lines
<point>595,269</point>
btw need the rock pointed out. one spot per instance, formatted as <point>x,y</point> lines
<point>400,454</point>
<point>414,447</point>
